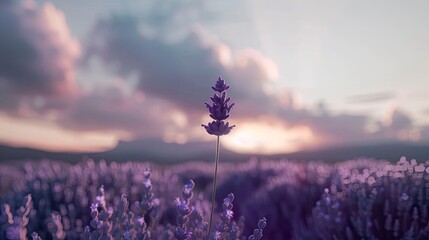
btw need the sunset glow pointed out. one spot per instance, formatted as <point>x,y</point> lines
<point>266,138</point>
<point>22,133</point>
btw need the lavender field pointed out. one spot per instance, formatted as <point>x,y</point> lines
<point>214,120</point>
<point>356,199</point>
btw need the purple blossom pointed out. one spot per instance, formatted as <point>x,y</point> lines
<point>35,236</point>
<point>184,210</point>
<point>227,205</point>
<point>187,190</point>
<point>220,85</point>
<point>225,229</point>
<point>219,110</point>
<point>218,128</point>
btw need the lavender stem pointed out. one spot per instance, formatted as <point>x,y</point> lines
<point>214,185</point>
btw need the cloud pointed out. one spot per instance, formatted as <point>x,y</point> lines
<point>371,97</point>
<point>180,71</point>
<point>340,129</point>
<point>399,125</point>
<point>110,108</point>
<point>424,134</point>
<point>170,18</point>
<point>397,120</point>
<point>114,110</point>
<point>37,54</point>
<point>173,78</point>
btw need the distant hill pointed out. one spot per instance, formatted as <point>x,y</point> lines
<point>16,154</point>
<point>154,150</point>
<point>159,151</point>
<point>391,152</point>
<point>165,153</point>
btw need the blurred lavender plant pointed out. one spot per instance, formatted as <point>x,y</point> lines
<point>184,210</point>
<point>257,233</point>
<point>219,111</point>
<point>148,204</point>
<point>228,229</point>
<point>56,227</point>
<point>17,225</point>
<point>226,217</point>
<point>100,218</point>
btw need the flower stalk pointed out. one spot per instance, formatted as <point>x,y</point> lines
<point>214,183</point>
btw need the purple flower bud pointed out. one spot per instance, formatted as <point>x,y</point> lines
<point>262,223</point>
<point>94,207</point>
<point>227,202</point>
<point>219,110</point>
<point>183,208</point>
<point>228,215</point>
<point>257,233</point>
<point>140,221</point>
<point>218,128</point>
<point>220,85</point>
<point>35,236</point>
<point>187,190</point>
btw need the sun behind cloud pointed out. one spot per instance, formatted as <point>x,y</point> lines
<point>264,137</point>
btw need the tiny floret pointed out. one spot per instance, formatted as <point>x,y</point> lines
<point>220,85</point>
<point>218,128</point>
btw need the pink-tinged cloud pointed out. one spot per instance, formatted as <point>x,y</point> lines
<point>424,134</point>
<point>371,97</point>
<point>37,67</point>
<point>180,71</point>
<point>37,55</point>
<point>112,109</point>
<point>398,124</point>
<point>397,120</point>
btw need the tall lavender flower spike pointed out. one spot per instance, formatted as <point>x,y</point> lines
<point>219,112</point>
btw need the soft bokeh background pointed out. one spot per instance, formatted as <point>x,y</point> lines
<point>81,76</point>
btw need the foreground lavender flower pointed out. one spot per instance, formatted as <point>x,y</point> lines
<point>219,111</point>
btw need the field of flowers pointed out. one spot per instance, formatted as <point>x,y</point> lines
<point>356,199</point>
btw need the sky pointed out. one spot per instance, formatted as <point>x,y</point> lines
<point>83,75</point>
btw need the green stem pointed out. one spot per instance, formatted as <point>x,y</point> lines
<point>214,187</point>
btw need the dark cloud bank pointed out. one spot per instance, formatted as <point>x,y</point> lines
<point>37,55</point>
